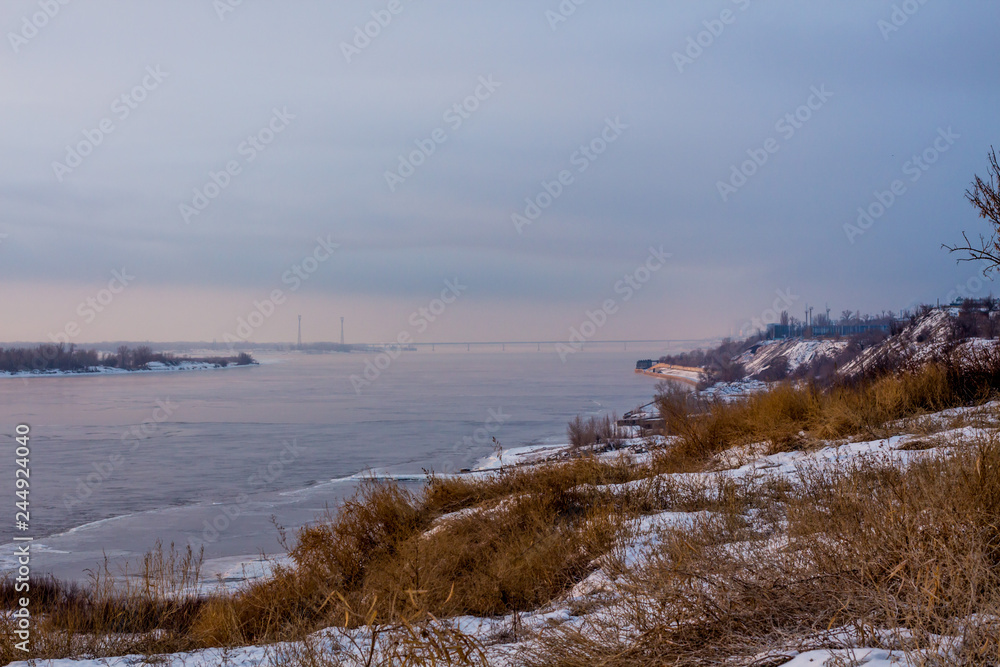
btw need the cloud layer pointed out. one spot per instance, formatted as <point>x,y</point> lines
<point>205,147</point>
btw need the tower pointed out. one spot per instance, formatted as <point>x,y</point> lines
<point>300,331</point>
<point>341,330</point>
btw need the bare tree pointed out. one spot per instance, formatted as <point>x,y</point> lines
<point>142,356</point>
<point>985,196</point>
<point>845,316</point>
<point>123,356</point>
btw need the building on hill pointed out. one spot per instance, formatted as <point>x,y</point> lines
<point>782,331</point>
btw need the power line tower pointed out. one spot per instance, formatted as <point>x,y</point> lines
<point>300,331</point>
<point>341,330</point>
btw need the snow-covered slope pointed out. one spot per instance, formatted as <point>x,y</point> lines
<point>798,351</point>
<point>931,336</point>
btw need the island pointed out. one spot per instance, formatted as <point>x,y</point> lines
<point>60,359</point>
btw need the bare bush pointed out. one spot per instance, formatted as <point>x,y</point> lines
<point>599,432</point>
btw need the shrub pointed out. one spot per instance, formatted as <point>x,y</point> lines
<point>595,431</point>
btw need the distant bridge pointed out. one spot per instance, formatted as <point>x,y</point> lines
<point>537,344</point>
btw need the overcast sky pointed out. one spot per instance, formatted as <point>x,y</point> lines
<point>116,116</point>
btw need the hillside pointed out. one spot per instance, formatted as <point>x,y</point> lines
<point>933,335</point>
<point>798,352</point>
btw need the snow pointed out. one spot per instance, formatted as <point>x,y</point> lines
<point>728,391</point>
<point>519,456</point>
<point>251,656</point>
<point>646,532</point>
<point>442,522</point>
<point>798,351</point>
<point>231,573</point>
<point>977,346</point>
<point>869,657</point>
<point>927,338</point>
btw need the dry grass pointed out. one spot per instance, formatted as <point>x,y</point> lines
<point>449,494</point>
<point>530,536</point>
<point>410,640</point>
<point>792,417</point>
<point>869,555</point>
<point>146,612</point>
<point>507,542</point>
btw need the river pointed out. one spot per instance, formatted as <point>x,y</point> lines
<point>216,458</point>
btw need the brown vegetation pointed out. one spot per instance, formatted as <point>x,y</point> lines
<point>790,416</point>
<point>871,555</point>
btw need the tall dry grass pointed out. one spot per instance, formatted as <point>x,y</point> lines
<point>486,545</point>
<point>516,540</point>
<point>790,417</point>
<point>869,555</point>
<point>146,612</point>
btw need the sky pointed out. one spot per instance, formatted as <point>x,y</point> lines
<point>201,170</point>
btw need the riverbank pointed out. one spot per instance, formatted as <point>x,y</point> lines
<point>683,374</point>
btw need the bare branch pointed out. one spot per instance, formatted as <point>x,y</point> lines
<point>985,197</point>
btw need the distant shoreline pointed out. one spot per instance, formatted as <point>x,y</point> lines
<point>109,370</point>
<point>682,374</point>
<point>59,360</point>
